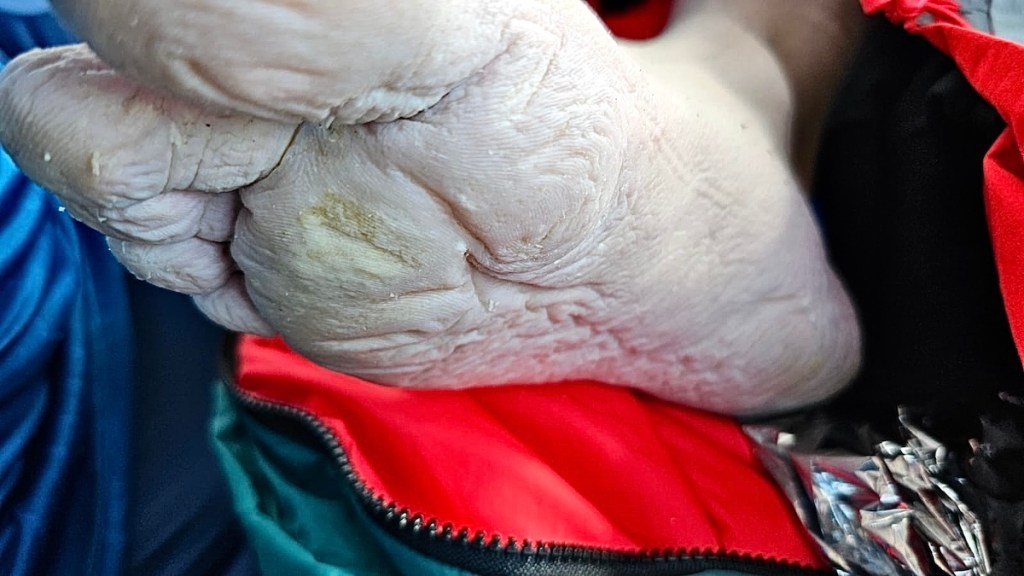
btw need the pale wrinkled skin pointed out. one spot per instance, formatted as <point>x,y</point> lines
<point>443,194</point>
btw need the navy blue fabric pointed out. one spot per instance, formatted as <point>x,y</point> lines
<point>64,389</point>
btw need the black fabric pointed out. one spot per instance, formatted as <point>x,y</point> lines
<point>181,519</point>
<point>899,191</point>
<point>616,6</point>
<point>900,196</point>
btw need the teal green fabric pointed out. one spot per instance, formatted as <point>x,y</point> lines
<point>294,502</point>
<point>301,515</point>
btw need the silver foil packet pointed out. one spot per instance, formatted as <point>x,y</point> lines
<point>896,512</point>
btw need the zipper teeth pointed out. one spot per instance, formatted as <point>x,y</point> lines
<point>403,520</point>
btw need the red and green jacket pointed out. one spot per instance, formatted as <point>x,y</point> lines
<point>334,475</point>
<point>337,476</point>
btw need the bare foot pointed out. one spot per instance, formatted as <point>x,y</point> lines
<point>443,194</point>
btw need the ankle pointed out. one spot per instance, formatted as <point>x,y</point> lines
<point>797,50</point>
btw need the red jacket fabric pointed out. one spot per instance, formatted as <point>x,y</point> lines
<point>637,20</point>
<point>993,66</point>
<point>577,463</point>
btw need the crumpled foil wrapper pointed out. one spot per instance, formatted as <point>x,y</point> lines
<point>893,513</point>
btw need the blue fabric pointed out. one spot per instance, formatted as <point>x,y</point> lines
<point>65,367</point>
<point>24,7</point>
<point>22,33</point>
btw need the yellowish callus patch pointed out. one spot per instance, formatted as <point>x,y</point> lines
<point>337,228</point>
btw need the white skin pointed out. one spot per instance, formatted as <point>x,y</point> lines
<point>455,193</point>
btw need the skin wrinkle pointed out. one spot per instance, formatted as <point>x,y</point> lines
<point>424,338</point>
<point>277,164</point>
<point>459,87</point>
<point>413,338</point>
<point>209,87</point>
<point>475,274</point>
<point>140,259</point>
<point>210,78</point>
<point>204,284</point>
<point>121,224</point>
<point>139,96</point>
<point>206,229</point>
<point>32,102</point>
<point>599,227</point>
<point>436,353</point>
<point>383,92</point>
<point>395,86</point>
<point>562,266</point>
<point>448,328</point>
<point>202,158</point>
<point>418,292</point>
<point>457,217</point>
<point>241,316</point>
<point>489,251</point>
<point>33,112</point>
<point>545,76</point>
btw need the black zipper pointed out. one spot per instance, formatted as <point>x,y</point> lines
<point>494,555</point>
